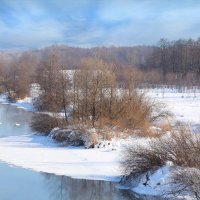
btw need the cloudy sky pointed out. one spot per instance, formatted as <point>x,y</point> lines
<point>86,23</point>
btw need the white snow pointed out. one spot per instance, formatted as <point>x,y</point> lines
<point>184,105</point>
<point>158,183</point>
<point>41,154</point>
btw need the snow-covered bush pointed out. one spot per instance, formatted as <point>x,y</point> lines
<point>74,137</point>
<point>180,147</point>
<point>137,160</point>
<point>67,136</point>
<point>187,180</point>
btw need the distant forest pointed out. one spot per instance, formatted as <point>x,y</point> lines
<point>168,62</point>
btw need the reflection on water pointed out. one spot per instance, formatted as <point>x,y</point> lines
<point>65,188</point>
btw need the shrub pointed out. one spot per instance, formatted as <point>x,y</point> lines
<point>138,112</point>
<point>43,123</point>
<point>75,137</point>
<point>187,180</point>
<point>139,159</point>
<point>181,147</point>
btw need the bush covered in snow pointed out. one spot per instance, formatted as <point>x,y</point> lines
<point>187,180</point>
<point>180,147</point>
<point>74,137</point>
<point>139,159</point>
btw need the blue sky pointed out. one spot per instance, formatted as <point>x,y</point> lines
<point>87,23</point>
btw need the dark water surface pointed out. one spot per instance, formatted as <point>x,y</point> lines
<point>22,184</point>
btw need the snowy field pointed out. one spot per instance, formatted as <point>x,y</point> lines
<point>185,105</point>
<point>42,154</point>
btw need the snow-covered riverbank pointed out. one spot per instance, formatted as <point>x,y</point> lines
<point>42,154</point>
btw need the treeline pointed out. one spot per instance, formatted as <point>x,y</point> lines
<point>177,61</point>
<point>17,69</point>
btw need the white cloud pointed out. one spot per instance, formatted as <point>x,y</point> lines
<point>37,23</point>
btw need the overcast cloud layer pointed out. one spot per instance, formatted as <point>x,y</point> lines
<point>86,23</point>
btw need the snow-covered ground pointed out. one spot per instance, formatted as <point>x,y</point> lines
<point>158,183</point>
<point>41,154</point>
<point>184,105</point>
